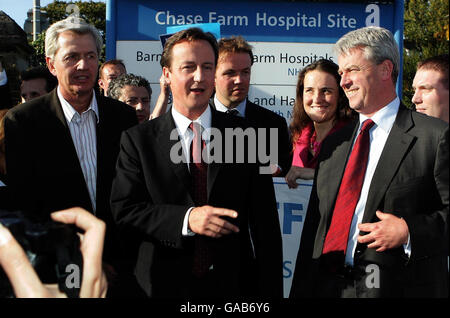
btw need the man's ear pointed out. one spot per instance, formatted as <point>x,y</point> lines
<point>50,65</point>
<point>167,74</point>
<point>101,84</point>
<point>387,67</point>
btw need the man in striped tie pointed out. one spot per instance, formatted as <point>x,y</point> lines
<point>376,224</point>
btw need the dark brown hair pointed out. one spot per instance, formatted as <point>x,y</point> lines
<point>436,63</point>
<point>190,35</point>
<point>110,62</point>
<point>235,44</point>
<point>300,118</point>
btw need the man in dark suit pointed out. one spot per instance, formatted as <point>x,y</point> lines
<point>61,147</point>
<point>225,210</point>
<point>395,235</point>
<point>232,84</point>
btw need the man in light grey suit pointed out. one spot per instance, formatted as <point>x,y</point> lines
<point>397,235</point>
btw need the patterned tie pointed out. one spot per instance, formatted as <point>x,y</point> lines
<point>349,192</point>
<point>198,168</point>
<point>233,111</point>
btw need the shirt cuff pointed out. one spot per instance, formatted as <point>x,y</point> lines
<point>407,246</point>
<point>185,231</point>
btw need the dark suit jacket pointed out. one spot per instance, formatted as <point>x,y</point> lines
<point>43,169</point>
<point>5,97</point>
<point>260,117</point>
<point>151,195</point>
<point>410,181</point>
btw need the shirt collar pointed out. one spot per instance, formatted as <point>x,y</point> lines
<point>222,108</point>
<point>68,109</point>
<point>182,122</point>
<point>385,117</point>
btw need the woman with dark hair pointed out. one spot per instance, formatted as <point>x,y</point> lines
<point>321,108</point>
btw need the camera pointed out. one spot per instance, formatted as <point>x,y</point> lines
<point>52,248</point>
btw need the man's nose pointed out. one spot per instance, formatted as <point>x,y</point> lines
<point>198,75</point>
<point>417,98</point>
<point>345,80</point>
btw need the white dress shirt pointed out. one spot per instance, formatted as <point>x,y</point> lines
<point>83,129</point>
<point>379,133</point>
<point>186,136</point>
<point>222,108</point>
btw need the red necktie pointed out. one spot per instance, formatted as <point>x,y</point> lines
<point>199,173</point>
<point>197,166</point>
<point>349,192</point>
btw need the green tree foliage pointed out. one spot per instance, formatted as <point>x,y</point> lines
<point>425,35</point>
<point>92,12</point>
<point>39,47</point>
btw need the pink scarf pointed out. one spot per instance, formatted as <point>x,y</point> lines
<point>306,140</point>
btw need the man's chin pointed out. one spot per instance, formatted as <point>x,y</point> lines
<point>82,90</point>
<point>423,111</point>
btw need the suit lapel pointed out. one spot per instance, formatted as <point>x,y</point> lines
<point>333,171</point>
<point>56,109</point>
<point>62,129</point>
<point>104,143</point>
<point>211,103</point>
<point>66,145</point>
<point>396,146</point>
<point>214,167</point>
<point>250,110</point>
<point>167,125</point>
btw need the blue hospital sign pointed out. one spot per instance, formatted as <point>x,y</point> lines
<point>286,36</point>
<point>292,205</point>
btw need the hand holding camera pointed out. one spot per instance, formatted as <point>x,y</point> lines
<point>17,261</point>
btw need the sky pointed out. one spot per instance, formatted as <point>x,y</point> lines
<point>17,9</point>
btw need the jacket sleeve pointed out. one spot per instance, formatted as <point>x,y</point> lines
<point>267,237</point>
<point>132,205</point>
<point>429,231</point>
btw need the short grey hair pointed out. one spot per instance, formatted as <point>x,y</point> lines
<point>72,24</point>
<point>377,43</point>
<point>116,85</point>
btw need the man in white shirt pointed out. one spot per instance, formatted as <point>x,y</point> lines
<point>187,208</point>
<point>61,148</point>
<point>397,231</point>
<point>232,85</point>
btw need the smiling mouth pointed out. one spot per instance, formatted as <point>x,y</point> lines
<point>351,92</point>
<point>81,78</point>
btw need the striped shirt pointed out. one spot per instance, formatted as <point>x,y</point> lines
<point>83,129</point>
